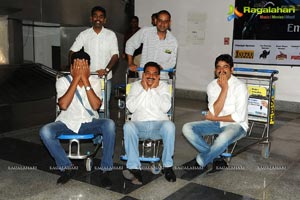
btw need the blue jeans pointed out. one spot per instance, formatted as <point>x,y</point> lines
<point>194,132</point>
<point>108,89</point>
<point>105,127</point>
<point>133,130</point>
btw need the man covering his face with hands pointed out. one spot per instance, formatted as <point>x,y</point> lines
<point>79,98</point>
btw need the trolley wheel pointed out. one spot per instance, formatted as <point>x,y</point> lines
<point>265,151</point>
<point>89,164</point>
<point>155,168</point>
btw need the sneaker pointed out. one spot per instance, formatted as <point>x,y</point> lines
<point>134,175</point>
<point>169,174</point>
<point>66,176</point>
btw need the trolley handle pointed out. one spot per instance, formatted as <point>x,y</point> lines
<point>271,71</point>
<point>140,69</point>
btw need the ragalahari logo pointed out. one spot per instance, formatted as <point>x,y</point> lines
<point>233,13</point>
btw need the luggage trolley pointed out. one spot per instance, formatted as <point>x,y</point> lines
<point>75,139</point>
<point>261,106</point>
<point>151,150</point>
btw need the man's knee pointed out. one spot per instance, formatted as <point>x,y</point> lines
<point>187,130</point>
<point>110,125</point>
<point>104,126</point>
<point>169,126</point>
<point>129,129</point>
<point>45,132</point>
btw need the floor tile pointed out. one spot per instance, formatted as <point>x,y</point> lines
<point>158,189</point>
<point>196,191</point>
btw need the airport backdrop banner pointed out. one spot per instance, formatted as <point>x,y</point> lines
<point>266,32</point>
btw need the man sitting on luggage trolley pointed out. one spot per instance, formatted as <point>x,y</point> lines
<point>227,116</point>
<point>149,101</point>
<point>78,115</point>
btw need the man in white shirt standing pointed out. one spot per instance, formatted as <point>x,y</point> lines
<point>159,44</point>
<point>79,98</point>
<point>102,46</point>
<point>149,100</point>
<point>227,116</point>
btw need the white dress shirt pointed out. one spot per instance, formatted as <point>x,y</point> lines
<point>151,105</point>
<point>236,103</point>
<point>101,47</point>
<point>76,114</point>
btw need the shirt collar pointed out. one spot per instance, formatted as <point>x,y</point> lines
<point>231,79</point>
<point>167,34</point>
<point>101,32</point>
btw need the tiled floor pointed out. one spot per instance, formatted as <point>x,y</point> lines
<point>27,170</point>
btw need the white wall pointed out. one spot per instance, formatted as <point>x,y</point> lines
<point>28,51</point>
<point>44,38</point>
<point>196,61</point>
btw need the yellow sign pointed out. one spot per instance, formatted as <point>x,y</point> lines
<point>246,54</point>
<point>257,90</point>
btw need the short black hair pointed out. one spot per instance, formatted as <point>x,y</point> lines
<point>80,55</point>
<point>226,58</point>
<point>98,8</point>
<point>164,12</point>
<point>152,64</point>
<point>135,17</point>
<point>154,15</point>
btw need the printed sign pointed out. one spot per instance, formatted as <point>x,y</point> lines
<point>266,32</point>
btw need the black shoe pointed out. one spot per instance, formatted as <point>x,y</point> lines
<point>134,175</point>
<point>66,176</point>
<point>169,174</point>
<point>105,180</point>
<point>218,165</point>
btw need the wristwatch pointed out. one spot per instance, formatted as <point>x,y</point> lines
<point>107,70</point>
<point>87,88</point>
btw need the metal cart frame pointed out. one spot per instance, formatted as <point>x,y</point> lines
<point>256,79</point>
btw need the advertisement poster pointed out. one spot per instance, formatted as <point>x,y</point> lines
<point>267,32</point>
<point>258,103</point>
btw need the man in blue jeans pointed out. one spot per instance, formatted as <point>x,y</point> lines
<point>78,115</point>
<point>149,101</point>
<point>227,116</point>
